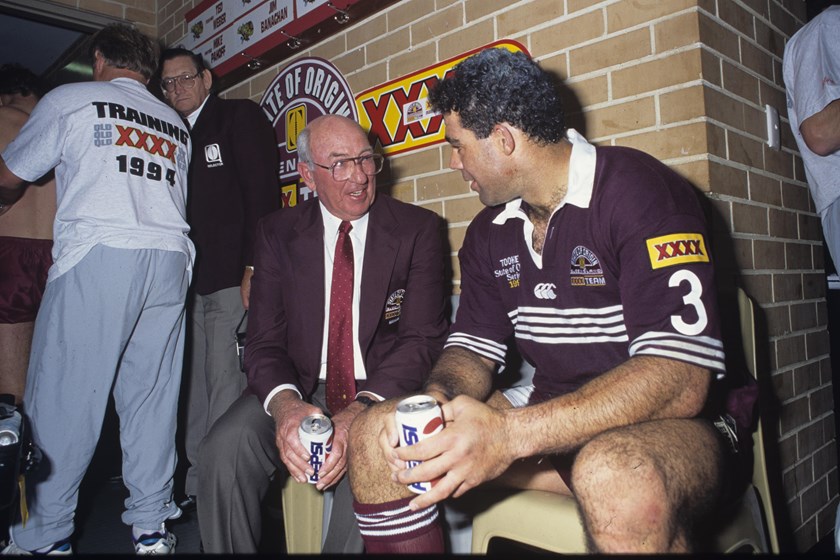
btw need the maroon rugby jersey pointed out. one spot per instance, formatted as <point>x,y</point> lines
<point>625,271</point>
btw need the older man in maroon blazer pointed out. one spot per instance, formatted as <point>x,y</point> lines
<point>394,333</point>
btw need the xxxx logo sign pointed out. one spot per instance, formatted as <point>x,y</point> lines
<point>155,145</point>
<point>679,248</point>
<point>392,129</point>
<point>398,113</point>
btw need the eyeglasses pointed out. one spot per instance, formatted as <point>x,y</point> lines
<point>186,81</point>
<point>343,169</point>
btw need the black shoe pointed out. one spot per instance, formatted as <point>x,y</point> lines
<point>188,503</point>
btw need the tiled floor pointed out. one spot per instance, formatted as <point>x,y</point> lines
<point>99,529</point>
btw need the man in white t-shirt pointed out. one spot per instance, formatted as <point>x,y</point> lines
<point>112,317</point>
<point>811,69</point>
<point>812,76</point>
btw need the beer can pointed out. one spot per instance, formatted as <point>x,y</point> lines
<point>418,418</point>
<point>316,435</point>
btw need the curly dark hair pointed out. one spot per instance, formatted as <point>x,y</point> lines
<point>124,46</point>
<point>18,80</point>
<point>496,86</point>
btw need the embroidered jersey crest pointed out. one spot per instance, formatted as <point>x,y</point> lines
<point>586,268</point>
<point>393,307</point>
<point>677,248</point>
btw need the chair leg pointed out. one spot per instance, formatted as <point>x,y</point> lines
<point>303,510</point>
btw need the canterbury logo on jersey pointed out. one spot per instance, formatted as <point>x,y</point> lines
<point>678,248</point>
<point>545,290</point>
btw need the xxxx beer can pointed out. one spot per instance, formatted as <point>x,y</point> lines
<point>316,435</point>
<point>418,418</point>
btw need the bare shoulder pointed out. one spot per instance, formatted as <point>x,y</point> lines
<point>12,117</point>
<point>11,121</point>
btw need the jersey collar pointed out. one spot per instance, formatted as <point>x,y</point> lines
<point>581,179</point>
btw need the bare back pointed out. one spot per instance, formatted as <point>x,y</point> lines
<point>33,215</point>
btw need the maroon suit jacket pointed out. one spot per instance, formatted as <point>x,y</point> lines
<point>402,325</point>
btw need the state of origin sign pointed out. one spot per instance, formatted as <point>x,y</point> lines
<point>304,90</point>
<point>396,114</point>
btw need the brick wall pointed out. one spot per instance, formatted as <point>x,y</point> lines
<point>142,13</point>
<point>687,81</point>
<point>172,24</point>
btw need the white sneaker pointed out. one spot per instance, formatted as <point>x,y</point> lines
<point>61,548</point>
<point>159,542</point>
<point>177,515</point>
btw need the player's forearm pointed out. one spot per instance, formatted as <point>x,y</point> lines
<point>641,389</point>
<point>821,131</point>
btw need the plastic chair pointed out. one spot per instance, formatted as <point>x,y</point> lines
<point>758,531</point>
<point>551,522</point>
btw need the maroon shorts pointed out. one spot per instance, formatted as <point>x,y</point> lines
<point>24,264</point>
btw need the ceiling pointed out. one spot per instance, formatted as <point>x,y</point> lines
<point>48,39</point>
<point>33,44</point>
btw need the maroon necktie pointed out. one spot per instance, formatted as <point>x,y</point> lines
<point>341,379</point>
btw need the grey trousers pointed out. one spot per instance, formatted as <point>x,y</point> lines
<point>214,379</point>
<point>114,322</point>
<point>237,461</point>
<point>830,218</point>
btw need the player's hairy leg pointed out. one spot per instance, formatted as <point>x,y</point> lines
<point>368,468</point>
<point>640,488</point>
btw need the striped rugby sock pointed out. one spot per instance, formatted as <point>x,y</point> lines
<point>393,528</point>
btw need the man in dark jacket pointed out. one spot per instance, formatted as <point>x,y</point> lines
<point>232,183</point>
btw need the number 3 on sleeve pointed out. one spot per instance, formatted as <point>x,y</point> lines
<point>692,298</point>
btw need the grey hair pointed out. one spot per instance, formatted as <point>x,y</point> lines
<point>303,147</point>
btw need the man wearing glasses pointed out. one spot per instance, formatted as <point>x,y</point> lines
<point>395,330</point>
<point>232,183</point>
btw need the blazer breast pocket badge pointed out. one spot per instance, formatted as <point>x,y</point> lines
<point>213,155</point>
<point>393,307</point>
